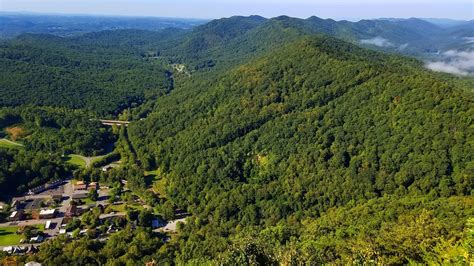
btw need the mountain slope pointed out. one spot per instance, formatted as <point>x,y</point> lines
<point>314,125</point>
<point>78,73</point>
<point>353,121</point>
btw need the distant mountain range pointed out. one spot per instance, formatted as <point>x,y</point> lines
<point>14,24</point>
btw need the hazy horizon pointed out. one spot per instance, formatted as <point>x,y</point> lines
<point>210,9</point>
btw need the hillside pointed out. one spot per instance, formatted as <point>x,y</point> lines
<point>314,125</point>
<point>206,46</point>
<point>79,73</point>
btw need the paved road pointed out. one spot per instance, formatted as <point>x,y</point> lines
<point>89,160</point>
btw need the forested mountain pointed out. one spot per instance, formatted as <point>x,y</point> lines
<point>284,139</point>
<point>315,125</point>
<point>77,73</point>
<point>408,36</point>
<point>133,65</point>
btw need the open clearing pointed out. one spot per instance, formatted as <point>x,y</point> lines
<point>15,132</point>
<point>9,237</point>
<point>76,160</point>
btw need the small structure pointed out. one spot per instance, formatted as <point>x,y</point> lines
<point>48,225</point>
<point>15,205</point>
<point>47,214</point>
<point>107,168</point>
<point>80,185</point>
<point>16,216</point>
<point>80,195</point>
<point>33,205</point>
<point>93,186</point>
<point>62,231</point>
<point>37,239</point>
<point>32,249</point>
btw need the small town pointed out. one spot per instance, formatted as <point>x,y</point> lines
<point>56,209</point>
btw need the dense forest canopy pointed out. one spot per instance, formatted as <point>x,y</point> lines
<point>60,72</point>
<point>285,145</point>
<point>321,123</point>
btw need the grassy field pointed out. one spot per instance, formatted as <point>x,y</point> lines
<point>115,208</point>
<point>4,143</point>
<point>156,180</point>
<point>76,160</point>
<point>9,237</point>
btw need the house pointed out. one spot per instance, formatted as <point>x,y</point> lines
<point>48,225</point>
<point>80,195</point>
<point>37,239</point>
<point>47,214</point>
<point>15,205</point>
<point>80,185</point>
<point>32,249</point>
<point>8,249</point>
<point>93,186</point>
<point>16,216</point>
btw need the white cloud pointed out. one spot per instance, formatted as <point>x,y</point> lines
<point>454,62</point>
<point>403,47</point>
<point>445,67</point>
<point>469,39</point>
<point>377,41</point>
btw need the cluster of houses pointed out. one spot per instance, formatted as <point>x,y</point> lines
<point>42,188</point>
<point>81,189</point>
<point>20,250</point>
<point>22,208</point>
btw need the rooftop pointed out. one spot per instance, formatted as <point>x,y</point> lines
<point>46,212</point>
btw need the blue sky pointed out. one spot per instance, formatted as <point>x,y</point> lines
<point>337,9</point>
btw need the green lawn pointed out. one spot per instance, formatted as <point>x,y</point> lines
<point>88,201</point>
<point>4,143</point>
<point>115,208</point>
<point>75,160</point>
<point>8,236</point>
